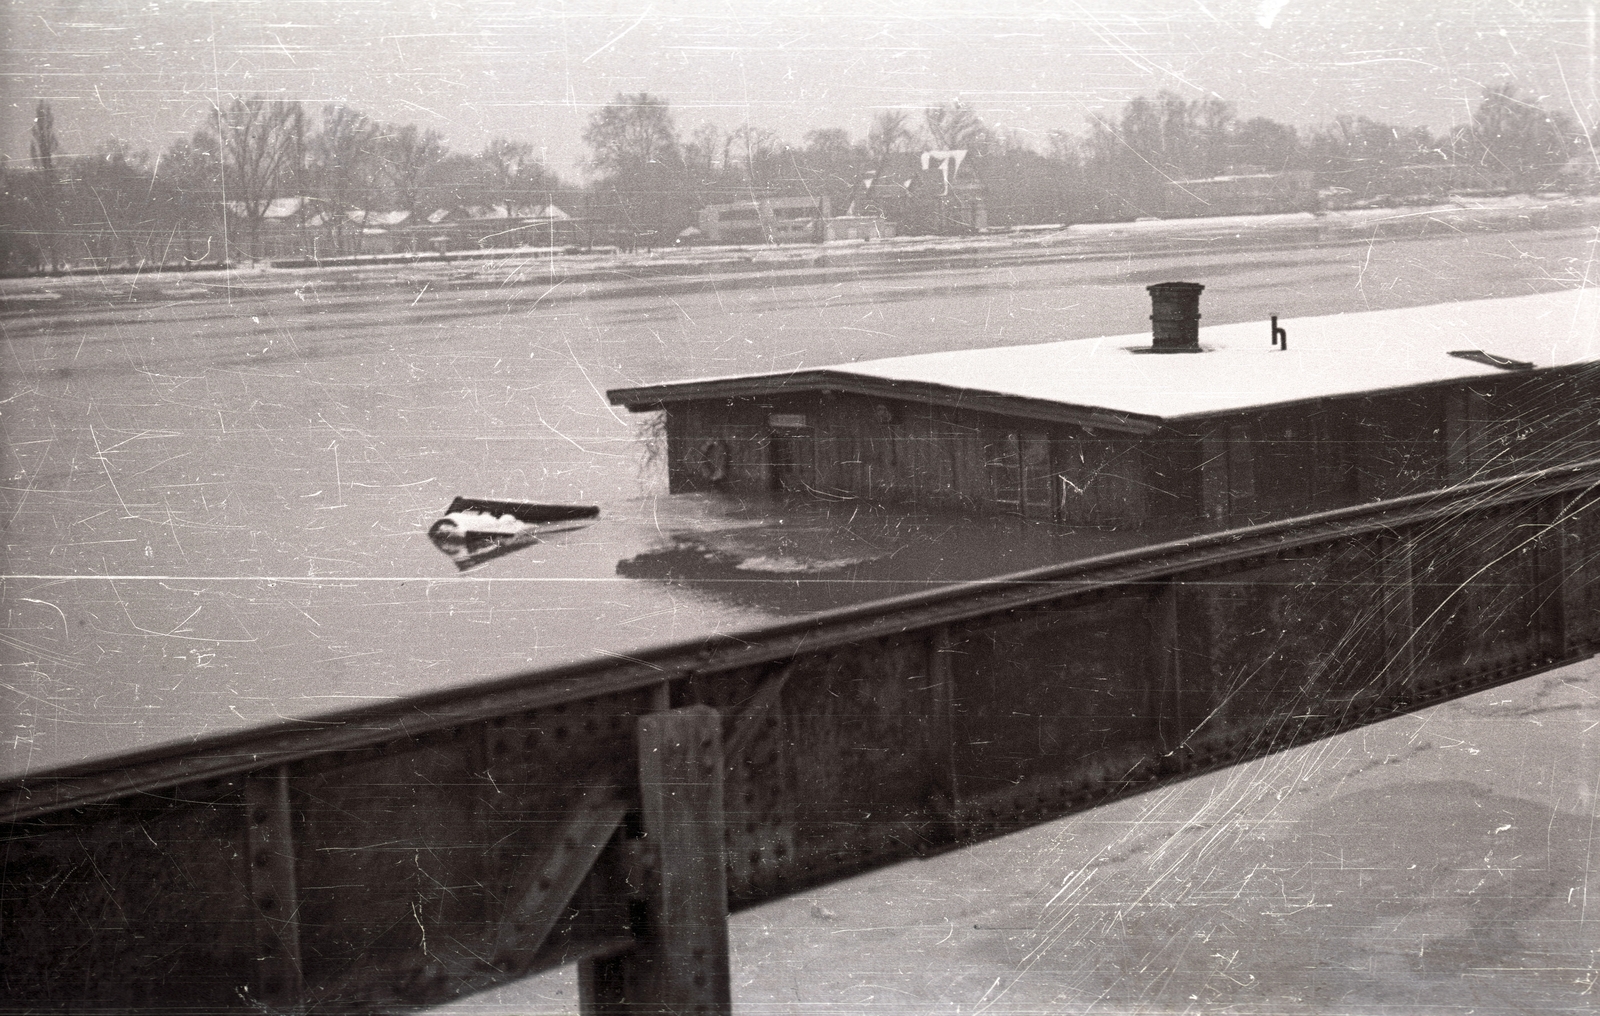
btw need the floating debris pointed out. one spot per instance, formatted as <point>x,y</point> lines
<point>475,531</point>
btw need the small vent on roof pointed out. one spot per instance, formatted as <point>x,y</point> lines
<point>1490,360</point>
<point>1175,317</point>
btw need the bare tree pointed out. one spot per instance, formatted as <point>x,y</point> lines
<point>833,165</point>
<point>43,144</point>
<point>630,134</point>
<point>634,147</point>
<point>44,204</point>
<point>189,199</point>
<point>830,144</point>
<point>705,160</point>
<point>706,150</point>
<point>407,156</point>
<point>1271,145</point>
<point>114,198</point>
<point>344,168</point>
<point>263,145</point>
<point>758,150</point>
<point>888,135</point>
<point>510,174</point>
<point>1213,124</point>
<point>1364,155</point>
<point>451,181</point>
<point>954,125</point>
<point>1066,147</point>
<point>1518,138</point>
<point>1128,161</point>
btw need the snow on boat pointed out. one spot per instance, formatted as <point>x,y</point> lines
<point>475,531</point>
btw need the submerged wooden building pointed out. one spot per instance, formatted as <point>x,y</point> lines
<point>1224,423</point>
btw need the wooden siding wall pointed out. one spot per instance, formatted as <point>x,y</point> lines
<point>1319,455</point>
<point>1274,462</point>
<point>1265,463</point>
<point>1254,465</point>
<point>900,452</point>
<point>1523,421</point>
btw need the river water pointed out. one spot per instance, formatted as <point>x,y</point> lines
<point>215,494</point>
<point>216,488</point>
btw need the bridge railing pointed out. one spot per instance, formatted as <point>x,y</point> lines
<point>611,813</point>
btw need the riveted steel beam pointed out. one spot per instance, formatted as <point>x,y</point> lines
<point>405,854</point>
<point>270,850</point>
<point>681,962</point>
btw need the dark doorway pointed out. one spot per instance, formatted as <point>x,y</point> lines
<point>793,461</point>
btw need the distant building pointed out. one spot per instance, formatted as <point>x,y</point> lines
<point>765,220</point>
<point>368,219</point>
<point>493,226</point>
<point>285,209</point>
<point>1119,432</point>
<point>936,192</point>
<point>1242,194</point>
<point>280,231</point>
<point>857,227</point>
<point>1395,185</point>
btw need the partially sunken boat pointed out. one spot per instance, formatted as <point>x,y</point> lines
<point>475,531</point>
<point>1221,423</point>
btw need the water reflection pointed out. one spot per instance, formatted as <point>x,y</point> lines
<point>795,557</point>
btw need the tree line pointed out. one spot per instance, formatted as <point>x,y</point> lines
<point>208,197</point>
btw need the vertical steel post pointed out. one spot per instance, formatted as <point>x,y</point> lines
<point>1399,624</point>
<point>1241,473</point>
<point>1214,459</point>
<point>273,893</point>
<point>602,986</point>
<point>1463,434</point>
<point>941,674</point>
<point>680,965</point>
<point>1561,563</point>
<point>1164,693</point>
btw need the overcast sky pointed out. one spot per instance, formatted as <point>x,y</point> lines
<point>534,71</point>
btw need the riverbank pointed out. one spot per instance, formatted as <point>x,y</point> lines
<point>609,267</point>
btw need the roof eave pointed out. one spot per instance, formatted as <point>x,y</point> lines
<point>656,397</point>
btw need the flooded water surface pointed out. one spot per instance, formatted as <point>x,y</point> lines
<point>217,490</point>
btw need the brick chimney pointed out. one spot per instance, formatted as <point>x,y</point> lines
<point>1175,317</point>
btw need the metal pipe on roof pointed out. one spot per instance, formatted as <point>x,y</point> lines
<point>1175,316</point>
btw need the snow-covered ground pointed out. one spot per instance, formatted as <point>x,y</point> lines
<point>556,265</point>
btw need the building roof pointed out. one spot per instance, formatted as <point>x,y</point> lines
<point>277,208</point>
<point>1116,382</point>
<point>366,217</point>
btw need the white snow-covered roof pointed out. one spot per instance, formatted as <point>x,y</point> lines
<point>277,208</point>
<point>1335,355</point>
<point>364,217</point>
